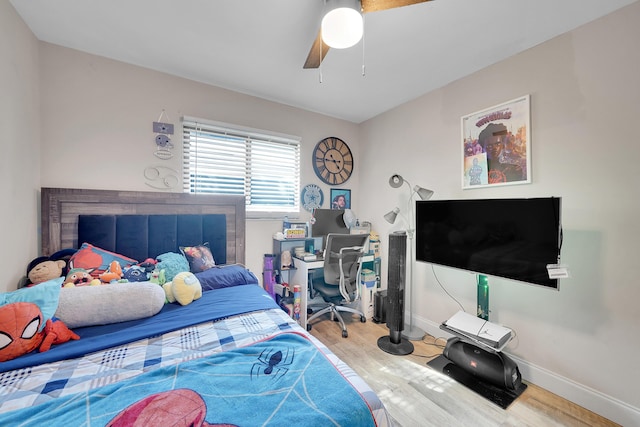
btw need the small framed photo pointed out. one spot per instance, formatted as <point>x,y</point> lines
<point>340,198</point>
<point>496,145</point>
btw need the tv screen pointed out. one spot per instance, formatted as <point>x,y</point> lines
<point>511,238</point>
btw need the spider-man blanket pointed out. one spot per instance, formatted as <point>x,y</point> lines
<point>282,381</point>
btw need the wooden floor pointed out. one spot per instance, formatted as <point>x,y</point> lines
<point>417,395</point>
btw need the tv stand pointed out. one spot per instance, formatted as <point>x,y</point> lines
<point>480,366</point>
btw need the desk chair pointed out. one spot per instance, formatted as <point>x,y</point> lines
<point>340,285</point>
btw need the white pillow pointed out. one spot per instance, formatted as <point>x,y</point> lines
<point>103,304</point>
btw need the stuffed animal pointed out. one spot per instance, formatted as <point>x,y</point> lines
<point>113,273</point>
<point>20,329</point>
<point>184,288</point>
<point>148,264</point>
<point>172,263</point>
<point>43,269</point>
<point>158,277</point>
<point>20,324</point>
<point>135,273</point>
<point>56,333</point>
<point>79,277</point>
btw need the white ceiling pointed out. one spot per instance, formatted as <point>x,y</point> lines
<point>258,47</point>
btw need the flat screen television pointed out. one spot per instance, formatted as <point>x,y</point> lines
<point>328,221</point>
<point>511,238</point>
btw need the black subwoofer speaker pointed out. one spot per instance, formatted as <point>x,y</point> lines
<point>380,307</point>
<point>396,266</point>
<point>495,368</point>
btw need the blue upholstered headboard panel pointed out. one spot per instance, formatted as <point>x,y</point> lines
<point>147,236</point>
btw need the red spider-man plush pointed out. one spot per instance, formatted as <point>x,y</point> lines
<point>21,332</point>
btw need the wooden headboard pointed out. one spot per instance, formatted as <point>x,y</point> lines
<point>61,207</point>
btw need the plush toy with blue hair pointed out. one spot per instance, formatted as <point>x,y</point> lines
<point>172,263</point>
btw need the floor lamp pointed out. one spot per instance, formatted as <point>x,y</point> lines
<point>412,332</point>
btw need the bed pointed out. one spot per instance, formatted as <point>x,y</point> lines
<point>230,357</point>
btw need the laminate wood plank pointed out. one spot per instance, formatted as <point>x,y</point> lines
<point>417,395</point>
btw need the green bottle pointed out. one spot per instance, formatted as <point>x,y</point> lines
<point>483,297</point>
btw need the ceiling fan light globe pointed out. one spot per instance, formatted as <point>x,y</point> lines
<point>342,28</point>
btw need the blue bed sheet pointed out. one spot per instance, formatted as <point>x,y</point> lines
<point>213,305</point>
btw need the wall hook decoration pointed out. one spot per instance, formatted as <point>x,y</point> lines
<point>161,177</point>
<point>163,141</point>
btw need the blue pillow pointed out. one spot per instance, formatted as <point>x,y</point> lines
<point>45,295</point>
<point>226,276</point>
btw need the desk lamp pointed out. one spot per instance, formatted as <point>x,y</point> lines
<point>396,181</point>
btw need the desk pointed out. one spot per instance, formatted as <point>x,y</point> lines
<point>300,276</point>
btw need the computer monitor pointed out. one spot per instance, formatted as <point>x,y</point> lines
<point>328,221</point>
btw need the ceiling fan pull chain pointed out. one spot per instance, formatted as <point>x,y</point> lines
<point>363,37</point>
<point>320,66</point>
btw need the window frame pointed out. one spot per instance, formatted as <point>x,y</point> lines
<point>253,138</point>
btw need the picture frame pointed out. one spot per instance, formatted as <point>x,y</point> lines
<point>340,198</point>
<point>496,145</point>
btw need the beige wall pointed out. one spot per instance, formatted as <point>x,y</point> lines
<point>96,115</point>
<point>585,105</point>
<point>19,145</point>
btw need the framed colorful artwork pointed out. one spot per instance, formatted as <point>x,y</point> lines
<point>496,145</point>
<point>340,198</point>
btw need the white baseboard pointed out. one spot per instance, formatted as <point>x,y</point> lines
<point>593,400</point>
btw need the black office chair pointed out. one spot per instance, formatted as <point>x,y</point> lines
<point>340,285</point>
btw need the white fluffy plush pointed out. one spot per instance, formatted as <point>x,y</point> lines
<point>116,302</point>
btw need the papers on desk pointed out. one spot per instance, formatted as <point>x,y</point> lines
<point>307,256</point>
<point>477,329</point>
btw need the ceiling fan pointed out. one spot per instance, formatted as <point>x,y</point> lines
<point>320,48</point>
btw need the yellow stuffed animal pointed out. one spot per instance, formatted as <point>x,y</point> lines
<point>184,288</point>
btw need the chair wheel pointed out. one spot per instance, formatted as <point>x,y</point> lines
<point>363,319</point>
<point>344,334</point>
<point>308,327</point>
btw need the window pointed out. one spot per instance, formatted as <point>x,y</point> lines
<point>222,159</point>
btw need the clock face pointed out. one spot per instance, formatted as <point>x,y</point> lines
<point>332,161</point>
<point>312,197</point>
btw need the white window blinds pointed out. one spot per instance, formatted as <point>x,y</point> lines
<point>264,167</point>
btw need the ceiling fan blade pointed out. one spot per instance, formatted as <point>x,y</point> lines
<point>376,5</point>
<point>315,58</point>
<point>316,54</point>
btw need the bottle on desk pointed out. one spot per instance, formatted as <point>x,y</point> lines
<point>296,302</point>
<point>309,246</point>
<point>483,297</point>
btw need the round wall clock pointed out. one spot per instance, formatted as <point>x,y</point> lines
<point>332,161</point>
<point>311,197</point>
